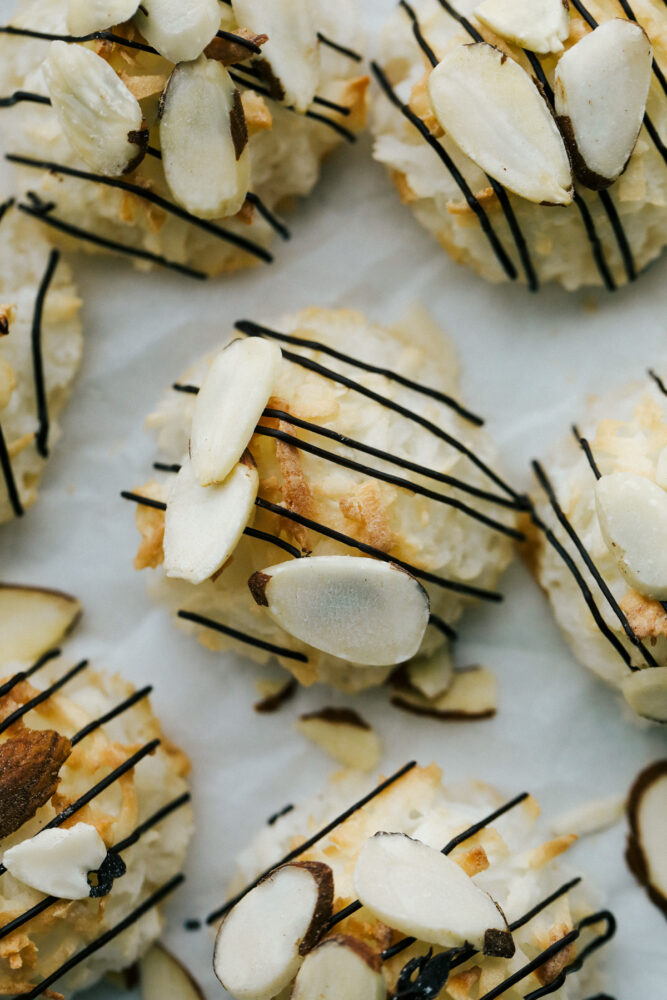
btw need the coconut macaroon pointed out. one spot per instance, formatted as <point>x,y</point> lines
<point>95,818</point>
<point>601,553</point>
<point>529,138</point>
<point>324,498</point>
<point>416,889</point>
<point>176,131</point>
<point>40,352</point>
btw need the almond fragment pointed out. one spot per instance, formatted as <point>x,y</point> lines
<point>539,26</point>
<point>493,111</point>
<point>163,977</point>
<point>86,16</point>
<point>432,675</point>
<point>344,735</point>
<point>646,692</point>
<point>98,114</point>
<point>57,861</point>
<point>340,968</point>
<point>179,31</point>
<point>473,694</point>
<point>647,814</point>
<point>30,763</point>
<point>632,511</point>
<point>33,620</point>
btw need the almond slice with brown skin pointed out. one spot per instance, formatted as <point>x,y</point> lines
<point>421,892</point>
<point>203,137</point>
<point>203,524</point>
<point>646,692</point>
<point>99,116</point>
<point>30,764</point>
<point>229,404</point>
<point>368,612</point>
<point>495,113</point>
<point>340,968</point>
<point>539,26</point>
<point>647,813</point>
<point>262,941</point>
<point>163,977</point>
<point>179,29</point>
<point>344,735</point>
<point>85,16</point>
<point>33,620</point>
<point>473,694</point>
<point>601,88</point>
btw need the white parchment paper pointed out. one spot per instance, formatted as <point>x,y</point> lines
<point>529,363</point>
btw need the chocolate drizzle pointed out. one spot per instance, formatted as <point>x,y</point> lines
<point>342,49</point>
<point>274,817</point>
<point>43,696</point>
<point>658,381</point>
<point>586,448</point>
<point>23,675</point>
<point>8,473</point>
<point>20,96</point>
<point>289,654</point>
<point>41,441</point>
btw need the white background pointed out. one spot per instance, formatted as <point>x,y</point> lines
<point>529,362</point>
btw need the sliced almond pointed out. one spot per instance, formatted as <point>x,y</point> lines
<point>344,735</point>
<point>473,695</point>
<point>57,861</point>
<point>539,26</point>
<point>340,968</point>
<point>203,525</point>
<point>589,817</point>
<point>33,620</point>
<point>601,88</point>
<point>163,977</point>
<point>203,137</point>
<point>230,402</point>
<point>432,675</point>
<point>86,16</point>
<point>646,692</point>
<point>494,112</point>
<point>661,469</point>
<point>647,813</point>
<point>421,892</point>
<point>292,49</point>
<point>632,511</point>
<point>30,764</point>
<point>368,612</point>
<point>179,30</point>
<point>262,941</point>
<point>99,116</point>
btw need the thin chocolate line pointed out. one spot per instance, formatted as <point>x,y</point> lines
<point>620,235</point>
<point>586,448</point>
<point>245,43</point>
<point>257,330</point>
<point>546,485</point>
<point>264,536</point>
<point>457,176</point>
<point>628,11</point>
<point>212,917</point>
<point>163,467</point>
<point>274,817</point>
<point>463,21</point>
<point>119,709</point>
<point>41,697</point>
<point>341,109</point>
<point>115,182</point>
<point>83,234</point>
<point>267,214</point>
<point>103,36</point>
<point>442,626</point>
<point>418,33</point>
<point>49,901</point>
<point>8,473</point>
<point>20,96</point>
<point>321,529</point>
<point>23,675</point>
<point>42,438</point>
<point>603,915</point>
<point>179,387</point>
<point>144,501</point>
<point>343,49</point>
<point>656,378</point>
<point>250,640</point>
<point>5,206</point>
<point>388,477</point>
<point>109,935</point>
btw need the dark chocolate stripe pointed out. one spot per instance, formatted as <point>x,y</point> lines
<point>274,817</point>
<point>457,176</point>
<point>619,234</point>
<point>546,485</point>
<point>629,13</point>
<point>5,206</point>
<point>594,918</point>
<point>43,696</point>
<point>20,96</point>
<point>245,43</point>
<point>250,640</point>
<point>115,182</point>
<point>23,675</point>
<point>264,536</point>
<point>212,917</point>
<point>113,713</point>
<point>8,473</point>
<point>42,438</point>
<point>656,378</point>
<point>103,36</point>
<point>342,49</point>
<point>442,626</point>
<point>268,215</point>
<point>586,448</point>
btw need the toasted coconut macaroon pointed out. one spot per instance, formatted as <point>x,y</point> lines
<point>349,516</point>
<point>177,135</point>
<point>95,818</point>
<point>40,351</point>
<point>529,139</point>
<point>600,547</point>
<point>455,888</point>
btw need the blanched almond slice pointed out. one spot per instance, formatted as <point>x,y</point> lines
<point>203,137</point>
<point>432,675</point>
<point>473,694</point>
<point>262,941</point>
<point>203,525</point>
<point>344,735</point>
<point>340,968</point>
<point>230,402</point>
<point>179,29</point>
<point>646,692</point>
<point>33,620</point>
<point>292,48</point>
<point>84,16</point>
<point>421,892</point>
<point>368,612</point>
<point>632,511</point>
<point>601,88</point>
<point>647,813</point>
<point>98,114</point>
<point>539,25</point>
<point>494,112</point>
<point>57,861</point>
<point>163,977</point>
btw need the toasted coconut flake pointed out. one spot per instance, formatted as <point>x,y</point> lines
<point>647,814</point>
<point>344,735</point>
<point>33,620</point>
<point>540,26</point>
<point>179,31</point>
<point>57,861</point>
